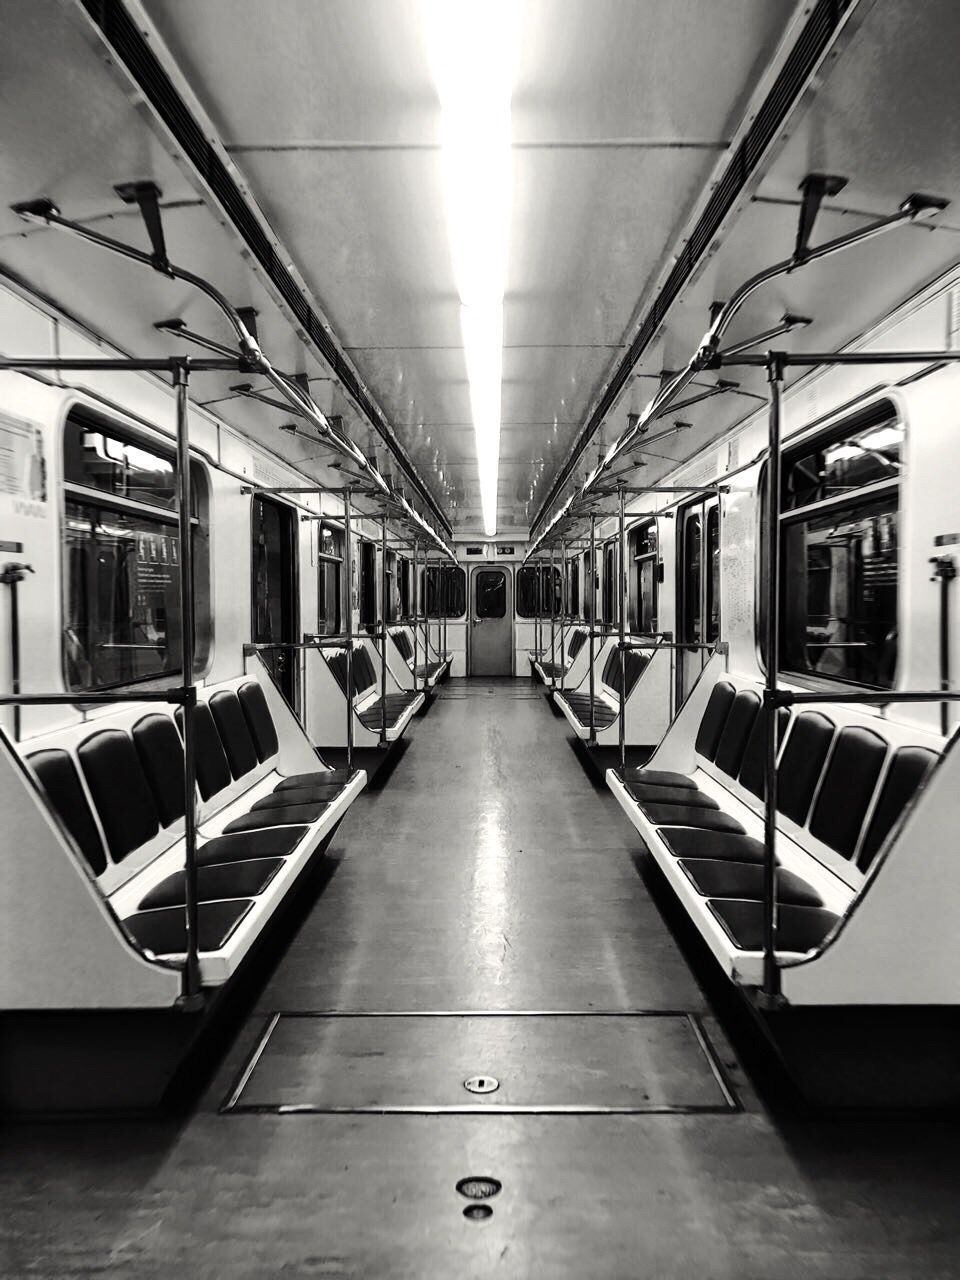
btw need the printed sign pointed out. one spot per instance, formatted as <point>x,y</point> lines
<point>23,467</point>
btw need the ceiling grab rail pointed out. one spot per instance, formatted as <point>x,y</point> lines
<point>708,354</point>
<point>146,196</point>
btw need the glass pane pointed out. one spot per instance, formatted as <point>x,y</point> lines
<point>122,606</point>
<point>713,574</point>
<point>692,633</point>
<point>99,460</point>
<point>528,584</point>
<point>648,594</point>
<point>491,588</point>
<point>867,451</point>
<point>328,598</point>
<point>454,591</point>
<point>573,597</point>
<point>839,593</point>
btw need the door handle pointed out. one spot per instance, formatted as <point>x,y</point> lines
<point>478,620</point>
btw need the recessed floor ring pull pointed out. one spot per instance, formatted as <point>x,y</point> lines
<point>482,1084</point>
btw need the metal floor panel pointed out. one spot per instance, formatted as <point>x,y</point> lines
<point>542,1064</point>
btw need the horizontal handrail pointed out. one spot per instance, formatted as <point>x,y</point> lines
<point>664,644</point>
<point>789,697</point>
<point>179,696</point>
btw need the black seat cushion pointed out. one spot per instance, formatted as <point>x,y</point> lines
<point>685,842</point>
<point>645,794</point>
<point>678,815</point>
<point>120,792</point>
<point>661,778</point>
<point>579,704</point>
<point>234,732</point>
<point>577,641</point>
<point>259,720</point>
<point>736,732</point>
<point>801,764</point>
<point>333,777</point>
<point>161,754</point>
<point>221,880</point>
<point>753,765</point>
<point>907,771</point>
<point>57,775</point>
<point>309,791</point>
<point>798,928</point>
<point>164,931</point>
<point>403,643</point>
<point>274,842</point>
<point>213,768</point>
<point>847,788</point>
<point>295,795</point>
<point>716,878</point>
<point>714,718</point>
<point>364,673</point>
<point>288,815</point>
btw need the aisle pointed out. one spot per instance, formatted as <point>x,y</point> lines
<point>490,875</point>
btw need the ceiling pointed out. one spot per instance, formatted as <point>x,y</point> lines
<point>623,115</point>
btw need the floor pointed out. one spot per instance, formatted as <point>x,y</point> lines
<point>489,875</point>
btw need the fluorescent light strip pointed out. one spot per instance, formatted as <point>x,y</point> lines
<point>471,53</point>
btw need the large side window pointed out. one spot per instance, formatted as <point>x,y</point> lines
<point>610,602</point>
<point>329,580</point>
<point>121,548</point>
<point>839,539</point>
<point>368,586</point>
<point>446,591</point>
<point>573,587</point>
<point>645,554</point>
<point>533,590</point>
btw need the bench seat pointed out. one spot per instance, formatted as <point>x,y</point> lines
<point>117,789</point>
<point>842,784</point>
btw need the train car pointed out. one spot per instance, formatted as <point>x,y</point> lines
<point>479,638</point>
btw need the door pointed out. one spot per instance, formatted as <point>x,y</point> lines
<point>491,623</point>
<point>274,594</point>
<point>698,587</point>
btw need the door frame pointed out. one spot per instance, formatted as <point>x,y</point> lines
<point>508,572</point>
<point>702,506</point>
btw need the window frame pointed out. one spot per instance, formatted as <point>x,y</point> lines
<point>640,560</point>
<point>831,432</point>
<point>116,425</point>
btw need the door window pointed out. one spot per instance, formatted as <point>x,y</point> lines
<point>491,593</point>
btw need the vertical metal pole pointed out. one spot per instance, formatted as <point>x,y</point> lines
<point>593,624</point>
<point>770,993</point>
<point>348,617</point>
<point>415,605</point>
<point>944,569</point>
<point>622,565</point>
<point>538,624</point>
<point>383,632</point>
<point>191,970</point>
<point>446,611</point>
<point>553,621</point>
<point>564,609</point>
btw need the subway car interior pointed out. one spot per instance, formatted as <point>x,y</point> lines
<point>479,638</point>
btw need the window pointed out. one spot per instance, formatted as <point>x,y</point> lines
<point>839,542</point>
<point>121,546</point>
<point>573,587</point>
<point>533,591</point>
<point>368,586</point>
<point>491,592</point>
<point>610,603</point>
<point>446,591</point>
<point>645,553</point>
<point>329,580</point>
<point>691,629</point>
<point>404,585</point>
